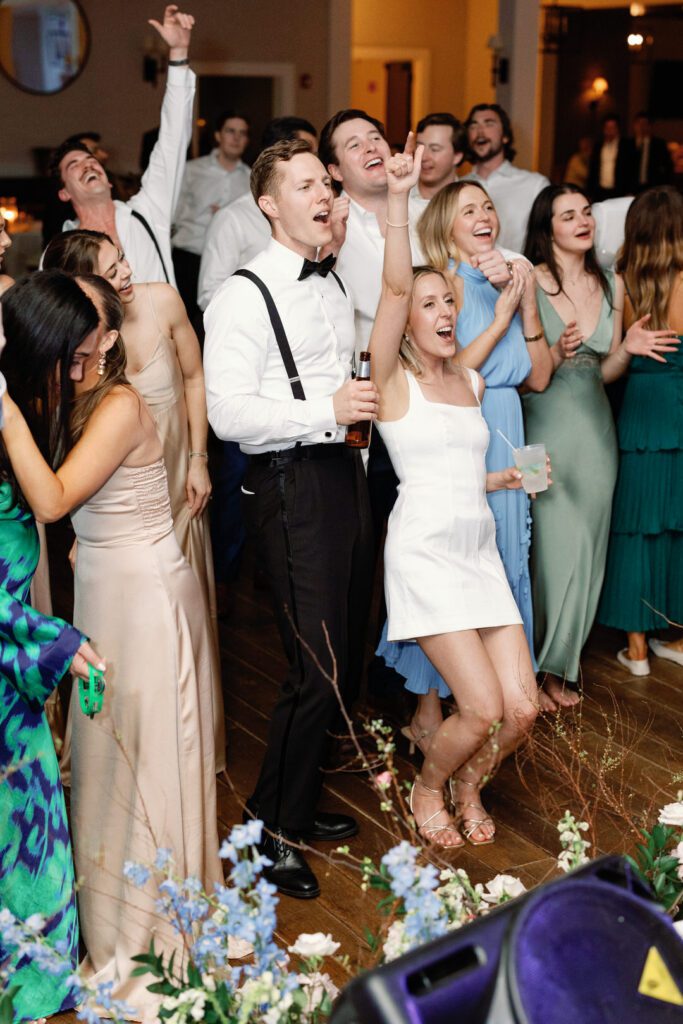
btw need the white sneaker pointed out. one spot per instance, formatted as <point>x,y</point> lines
<point>659,648</point>
<point>636,668</point>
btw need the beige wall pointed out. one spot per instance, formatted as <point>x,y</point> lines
<point>111,97</point>
<point>435,25</point>
<point>482,23</point>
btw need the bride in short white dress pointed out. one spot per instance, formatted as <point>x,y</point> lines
<point>442,570</point>
<point>444,579</point>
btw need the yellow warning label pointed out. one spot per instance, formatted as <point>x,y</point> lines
<point>656,981</point>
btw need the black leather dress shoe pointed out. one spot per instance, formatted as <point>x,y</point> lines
<point>289,870</point>
<point>331,828</point>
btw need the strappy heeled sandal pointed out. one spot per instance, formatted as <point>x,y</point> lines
<point>430,832</point>
<point>471,825</point>
<point>416,738</point>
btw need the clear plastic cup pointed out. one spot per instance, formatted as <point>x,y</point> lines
<point>531,462</point>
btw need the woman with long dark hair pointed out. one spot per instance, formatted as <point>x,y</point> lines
<point>143,770</point>
<point>36,866</point>
<point>164,364</point>
<point>644,578</point>
<point>581,308</point>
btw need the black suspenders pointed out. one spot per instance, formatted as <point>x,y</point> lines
<point>279,331</point>
<point>280,336</point>
<point>146,226</point>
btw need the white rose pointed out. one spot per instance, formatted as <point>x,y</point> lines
<point>503,886</point>
<point>672,814</point>
<point>315,944</point>
<point>678,852</point>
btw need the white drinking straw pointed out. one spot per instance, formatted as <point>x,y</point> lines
<point>506,439</point>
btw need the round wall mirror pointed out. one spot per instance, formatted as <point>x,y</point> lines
<point>44,44</point>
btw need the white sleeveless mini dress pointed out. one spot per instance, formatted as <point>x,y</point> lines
<point>442,570</point>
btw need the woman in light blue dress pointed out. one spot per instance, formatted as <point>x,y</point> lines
<point>500,335</point>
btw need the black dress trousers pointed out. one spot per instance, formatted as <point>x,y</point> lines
<point>311,526</point>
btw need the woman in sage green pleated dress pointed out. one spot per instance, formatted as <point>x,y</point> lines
<point>580,307</point>
<point>644,578</point>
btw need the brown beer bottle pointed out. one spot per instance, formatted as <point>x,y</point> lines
<point>358,434</point>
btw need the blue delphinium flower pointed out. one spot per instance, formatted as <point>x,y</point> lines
<point>163,858</point>
<point>425,915</point>
<point>248,834</point>
<point>137,874</point>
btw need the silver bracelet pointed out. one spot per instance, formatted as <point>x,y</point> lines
<point>199,455</point>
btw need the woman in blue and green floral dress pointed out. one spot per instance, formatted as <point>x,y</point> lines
<point>36,867</point>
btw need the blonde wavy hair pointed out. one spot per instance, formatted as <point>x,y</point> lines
<point>652,254</point>
<point>110,310</point>
<point>435,227</point>
<point>408,352</point>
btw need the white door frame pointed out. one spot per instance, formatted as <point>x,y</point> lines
<point>284,84</point>
<point>420,58</point>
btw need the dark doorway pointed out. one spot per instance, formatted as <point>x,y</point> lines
<point>251,96</point>
<point>399,106</point>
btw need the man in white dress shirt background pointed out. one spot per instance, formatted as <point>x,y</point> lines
<point>513,190</point>
<point>278,381</point>
<point>142,226</point>
<point>239,231</point>
<point>211,182</point>
<point>445,142</point>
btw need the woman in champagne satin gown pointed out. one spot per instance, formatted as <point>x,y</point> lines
<point>143,769</point>
<point>164,364</point>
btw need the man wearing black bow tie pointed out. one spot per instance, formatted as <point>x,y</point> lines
<point>279,347</point>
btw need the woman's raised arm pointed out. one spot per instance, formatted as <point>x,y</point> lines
<point>114,430</point>
<point>403,171</point>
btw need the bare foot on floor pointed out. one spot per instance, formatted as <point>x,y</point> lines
<point>555,693</point>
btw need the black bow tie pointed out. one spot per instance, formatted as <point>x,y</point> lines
<point>323,268</point>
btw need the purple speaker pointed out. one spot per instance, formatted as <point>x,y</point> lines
<point>588,948</point>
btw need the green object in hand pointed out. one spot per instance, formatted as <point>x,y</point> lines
<point>91,693</point>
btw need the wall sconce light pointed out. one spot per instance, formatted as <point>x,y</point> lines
<point>635,40</point>
<point>599,86</point>
<point>636,10</point>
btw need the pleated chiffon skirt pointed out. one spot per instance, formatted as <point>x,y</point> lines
<point>644,576</point>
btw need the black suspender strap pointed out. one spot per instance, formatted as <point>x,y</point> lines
<point>279,331</point>
<point>339,281</point>
<point>146,226</point>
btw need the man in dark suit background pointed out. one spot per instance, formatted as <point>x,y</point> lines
<point>612,169</point>
<point>653,163</point>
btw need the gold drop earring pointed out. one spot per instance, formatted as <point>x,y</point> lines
<point>101,364</point>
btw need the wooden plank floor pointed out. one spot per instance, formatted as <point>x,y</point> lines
<point>626,738</point>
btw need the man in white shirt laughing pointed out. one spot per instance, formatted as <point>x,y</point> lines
<point>141,228</point>
<point>512,190</point>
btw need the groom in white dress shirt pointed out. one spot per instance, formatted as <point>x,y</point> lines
<point>279,346</point>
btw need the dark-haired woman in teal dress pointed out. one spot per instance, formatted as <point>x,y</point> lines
<point>581,311</point>
<point>644,578</point>
<point>36,866</point>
